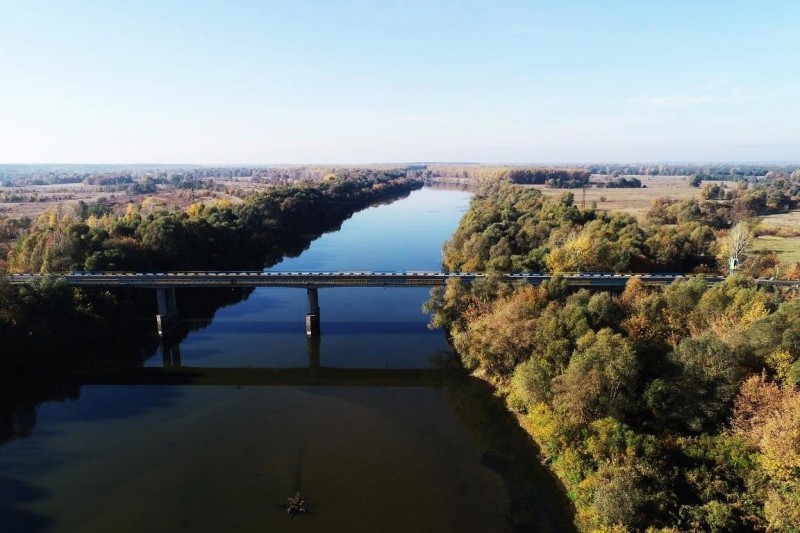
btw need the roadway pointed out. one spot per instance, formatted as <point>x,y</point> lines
<point>154,280</point>
<point>305,280</point>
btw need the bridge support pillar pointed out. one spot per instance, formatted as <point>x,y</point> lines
<point>171,354</point>
<point>313,344</point>
<point>312,317</point>
<point>167,316</point>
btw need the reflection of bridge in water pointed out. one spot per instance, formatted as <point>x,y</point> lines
<point>165,283</point>
<point>174,373</point>
<point>171,353</point>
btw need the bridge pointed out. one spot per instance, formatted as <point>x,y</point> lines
<point>165,283</point>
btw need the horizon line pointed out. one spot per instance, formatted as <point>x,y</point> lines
<point>408,163</point>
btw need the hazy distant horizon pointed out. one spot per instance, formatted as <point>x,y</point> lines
<point>404,163</point>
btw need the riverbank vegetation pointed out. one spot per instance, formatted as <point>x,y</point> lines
<point>660,409</point>
<point>511,229</point>
<point>220,235</point>
<point>51,318</point>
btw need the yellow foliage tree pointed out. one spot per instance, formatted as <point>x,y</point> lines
<point>768,417</point>
<point>578,253</point>
<point>195,210</point>
<point>132,210</point>
<point>635,291</point>
<point>780,361</point>
<point>780,442</point>
<point>754,312</point>
<point>793,272</point>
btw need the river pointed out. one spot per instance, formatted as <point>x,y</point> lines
<point>388,455</point>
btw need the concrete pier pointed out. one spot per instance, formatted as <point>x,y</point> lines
<point>312,317</point>
<point>313,345</point>
<point>171,354</point>
<point>167,316</point>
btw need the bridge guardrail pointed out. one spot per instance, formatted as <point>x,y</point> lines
<point>249,278</point>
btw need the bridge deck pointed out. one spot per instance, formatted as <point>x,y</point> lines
<point>303,280</point>
<point>329,279</point>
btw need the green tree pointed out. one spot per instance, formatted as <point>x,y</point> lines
<point>600,380</point>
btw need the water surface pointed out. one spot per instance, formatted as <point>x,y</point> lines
<point>362,327</point>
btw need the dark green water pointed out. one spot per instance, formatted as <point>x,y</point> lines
<point>395,455</point>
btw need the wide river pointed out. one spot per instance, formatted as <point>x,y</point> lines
<point>387,455</point>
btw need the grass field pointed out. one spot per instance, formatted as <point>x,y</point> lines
<point>43,197</point>
<point>791,220</point>
<point>788,249</point>
<point>634,201</point>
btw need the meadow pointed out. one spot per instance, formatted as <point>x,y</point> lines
<point>633,201</point>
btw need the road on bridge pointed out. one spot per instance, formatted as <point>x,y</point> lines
<point>154,280</point>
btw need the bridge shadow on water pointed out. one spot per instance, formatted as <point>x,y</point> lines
<point>174,372</point>
<point>535,500</point>
<point>14,517</point>
<point>330,328</point>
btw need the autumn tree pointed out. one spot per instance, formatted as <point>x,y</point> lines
<point>501,339</point>
<point>736,245</point>
<point>600,380</point>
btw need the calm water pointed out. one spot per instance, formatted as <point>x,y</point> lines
<point>361,327</point>
<point>225,457</point>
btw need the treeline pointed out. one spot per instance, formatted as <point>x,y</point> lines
<point>107,175</point>
<point>18,198</point>
<point>26,175</point>
<point>558,176</point>
<point>511,229</point>
<point>719,207</point>
<point>620,182</point>
<point>554,177</point>
<point>573,176</point>
<point>720,171</point>
<point>20,175</point>
<point>673,409</point>
<point>215,236</point>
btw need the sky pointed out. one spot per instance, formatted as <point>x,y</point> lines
<point>368,81</point>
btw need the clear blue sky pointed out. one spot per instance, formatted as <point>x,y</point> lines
<point>359,81</point>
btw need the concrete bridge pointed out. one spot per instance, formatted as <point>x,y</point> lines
<point>165,283</point>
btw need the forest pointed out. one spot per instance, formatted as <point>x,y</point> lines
<point>27,175</point>
<point>512,229</point>
<point>658,409</point>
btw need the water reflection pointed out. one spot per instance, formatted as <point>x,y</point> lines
<point>313,345</point>
<point>170,348</point>
<point>361,327</point>
<point>171,354</point>
<point>315,370</point>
